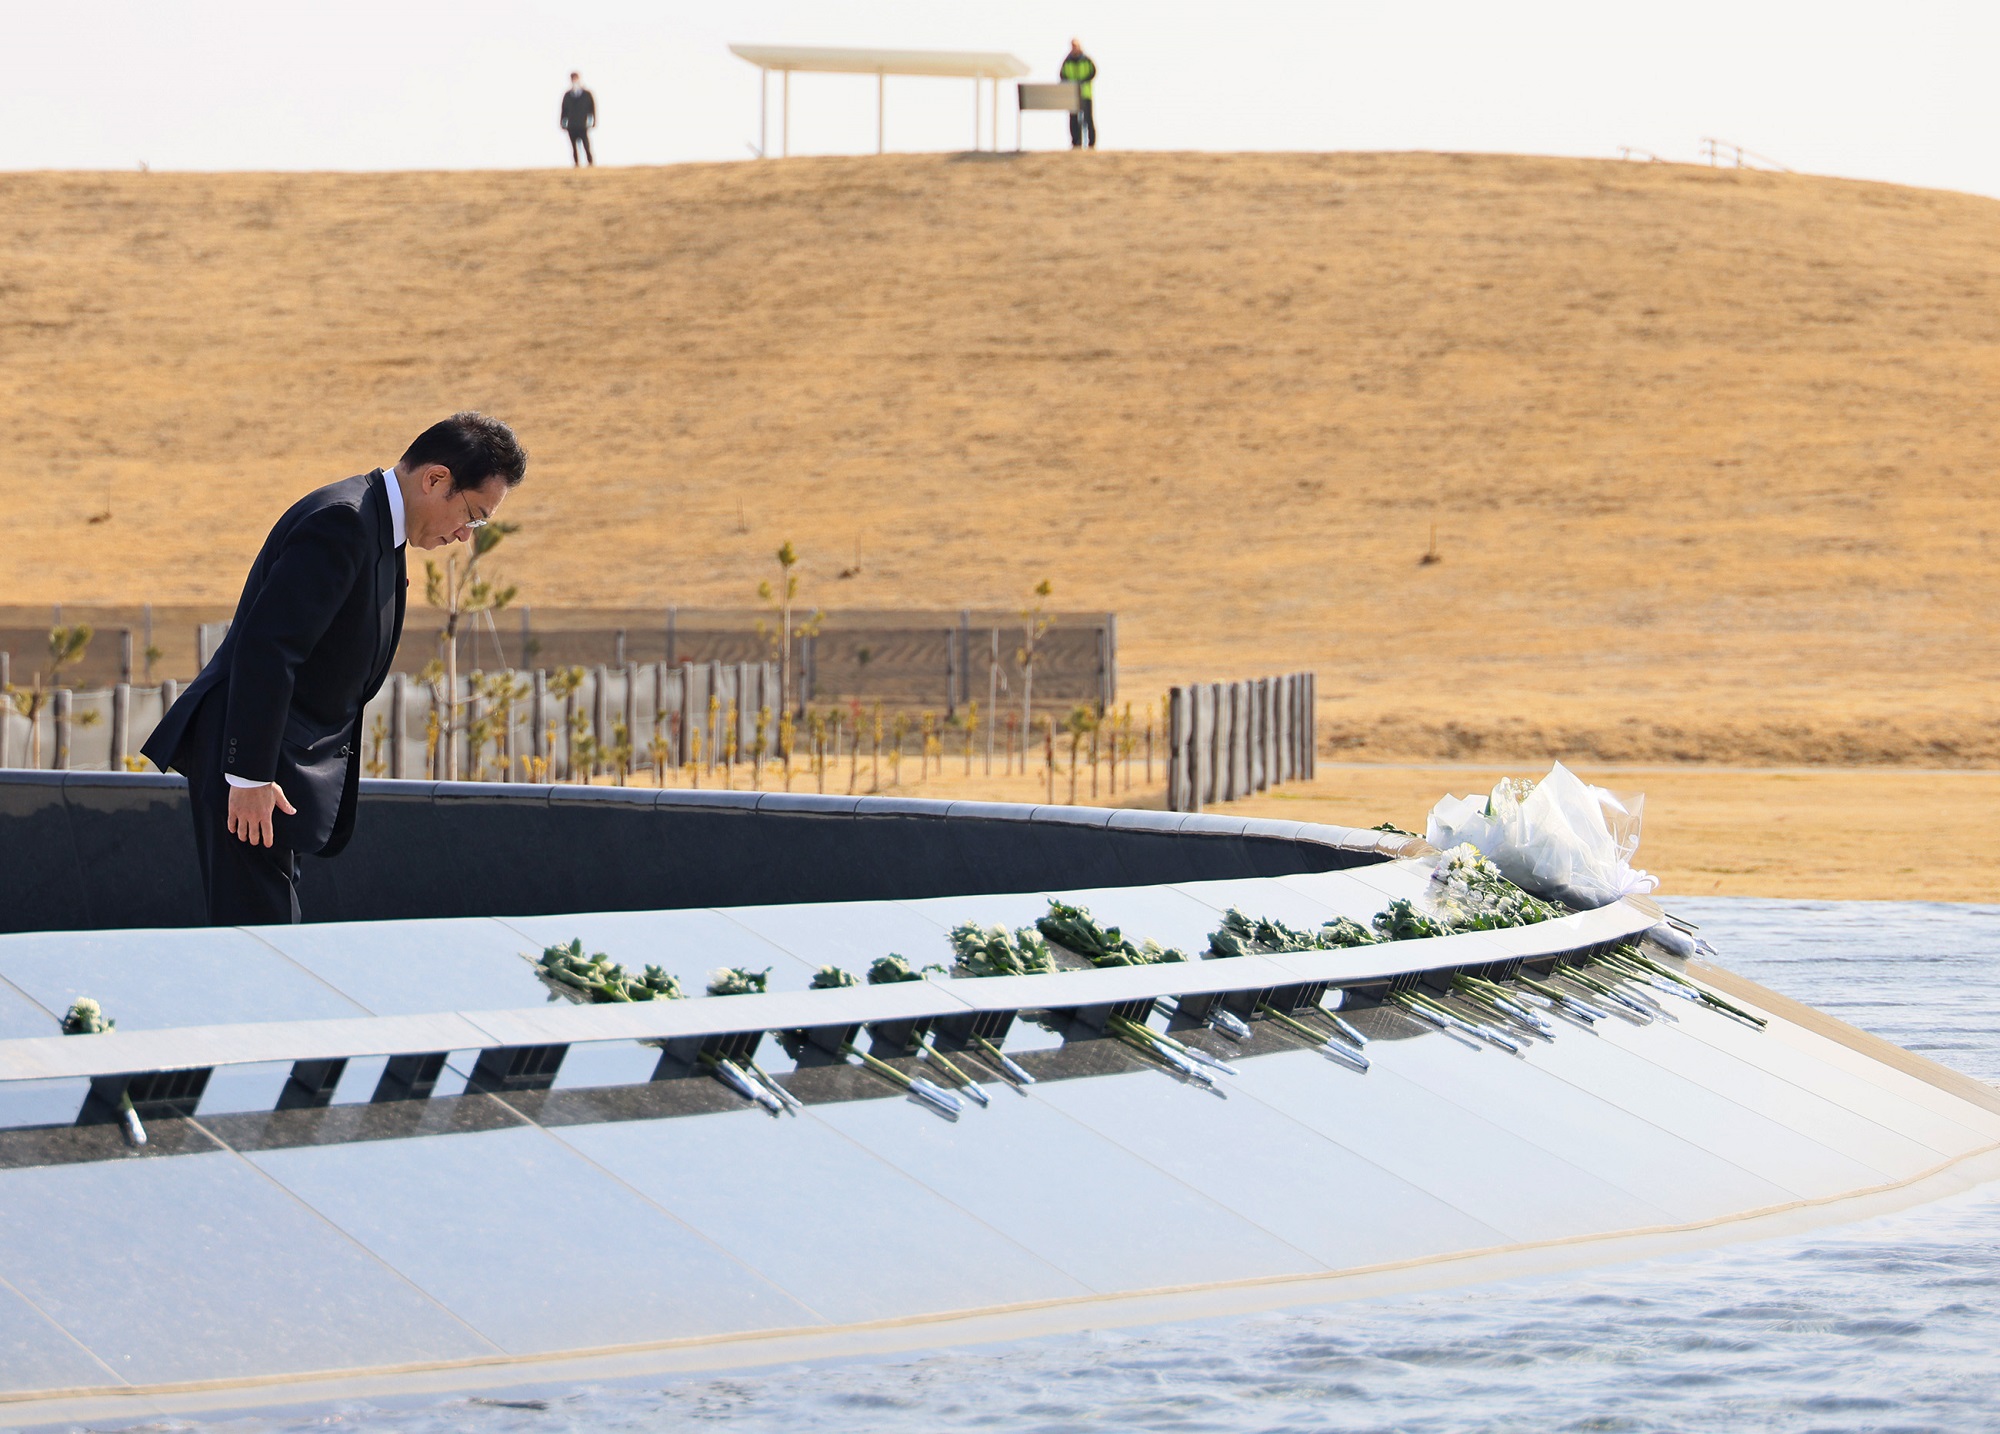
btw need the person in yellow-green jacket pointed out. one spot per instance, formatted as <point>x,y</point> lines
<point>1080,69</point>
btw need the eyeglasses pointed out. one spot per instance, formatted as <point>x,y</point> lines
<point>470,520</point>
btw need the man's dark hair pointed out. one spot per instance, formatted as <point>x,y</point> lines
<point>474,447</point>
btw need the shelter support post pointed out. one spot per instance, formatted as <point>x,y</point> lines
<point>993,99</point>
<point>785,121</point>
<point>881,86</point>
<point>763,113</point>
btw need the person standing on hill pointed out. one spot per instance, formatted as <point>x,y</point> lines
<point>268,734</point>
<point>1080,70</point>
<point>579,118</point>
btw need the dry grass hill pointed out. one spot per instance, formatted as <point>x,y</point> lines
<point>1709,453</point>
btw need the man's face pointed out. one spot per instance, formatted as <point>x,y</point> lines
<point>436,516</point>
<point>575,83</point>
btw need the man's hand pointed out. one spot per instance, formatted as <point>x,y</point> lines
<point>250,812</point>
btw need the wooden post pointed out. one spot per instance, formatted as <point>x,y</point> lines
<point>659,711</point>
<point>1225,741</point>
<point>1178,751</point>
<point>60,720</point>
<point>145,651</point>
<point>673,637</point>
<point>1312,725</point>
<point>1267,747</point>
<point>1201,737</point>
<point>716,705</point>
<point>1294,727</point>
<point>684,739</point>
<point>1247,735</point>
<point>399,711</point>
<point>992,695</point>
<point>631,718</point>
<point>124,657</point>
<point>1111,657</point>
<point>1218,753</point>
<point>1281,727</point>
<point>965,654</point>
<point>1241,693</point>
<point>1304,728</point>
<point>950,673</point>
<point>121,720</point>
<point>1275,726</point>
<point>600,717</point>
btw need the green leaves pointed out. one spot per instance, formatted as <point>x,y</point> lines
<point>66,645</point>
<point>996,951</point>
<point>889,969</point>
<point>1401,921</point>
<point>1346,931</point>
<point>1075,929</point>
<point>1240,935</point>
<point>832,978</point>
<point>737,981</point>
<point>1467,893</point>
<point>599,979</point>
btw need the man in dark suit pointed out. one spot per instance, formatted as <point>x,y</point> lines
<point>579,118</point>
<point>268,734</point>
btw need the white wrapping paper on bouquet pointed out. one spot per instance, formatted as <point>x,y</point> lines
<point>1562,840</point>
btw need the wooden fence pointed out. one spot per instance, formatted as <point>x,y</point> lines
<point>1228,739</point>
<point>905,658</point>
<point>510,726</point>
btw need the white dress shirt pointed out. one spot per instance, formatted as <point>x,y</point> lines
<point>396,529</point>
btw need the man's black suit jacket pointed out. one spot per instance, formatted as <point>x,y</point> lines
<point>579,110</point>
<point>314,634</point>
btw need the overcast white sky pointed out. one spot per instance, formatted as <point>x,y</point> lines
<point>1902,92</point>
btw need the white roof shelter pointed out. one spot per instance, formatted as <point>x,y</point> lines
<point>983,67</point>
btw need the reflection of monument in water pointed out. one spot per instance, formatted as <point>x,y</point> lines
<point>386,1155</point>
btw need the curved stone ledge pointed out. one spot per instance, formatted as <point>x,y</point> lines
<point>100,850</point>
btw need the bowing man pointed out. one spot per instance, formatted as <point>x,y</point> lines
<point>269,734</point>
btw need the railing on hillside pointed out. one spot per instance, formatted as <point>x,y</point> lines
<point>1228,740</point>
<point>1727,153</point>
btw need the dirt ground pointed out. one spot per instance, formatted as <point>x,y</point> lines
<point>1704,457</point>
<point>1708,452</point>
